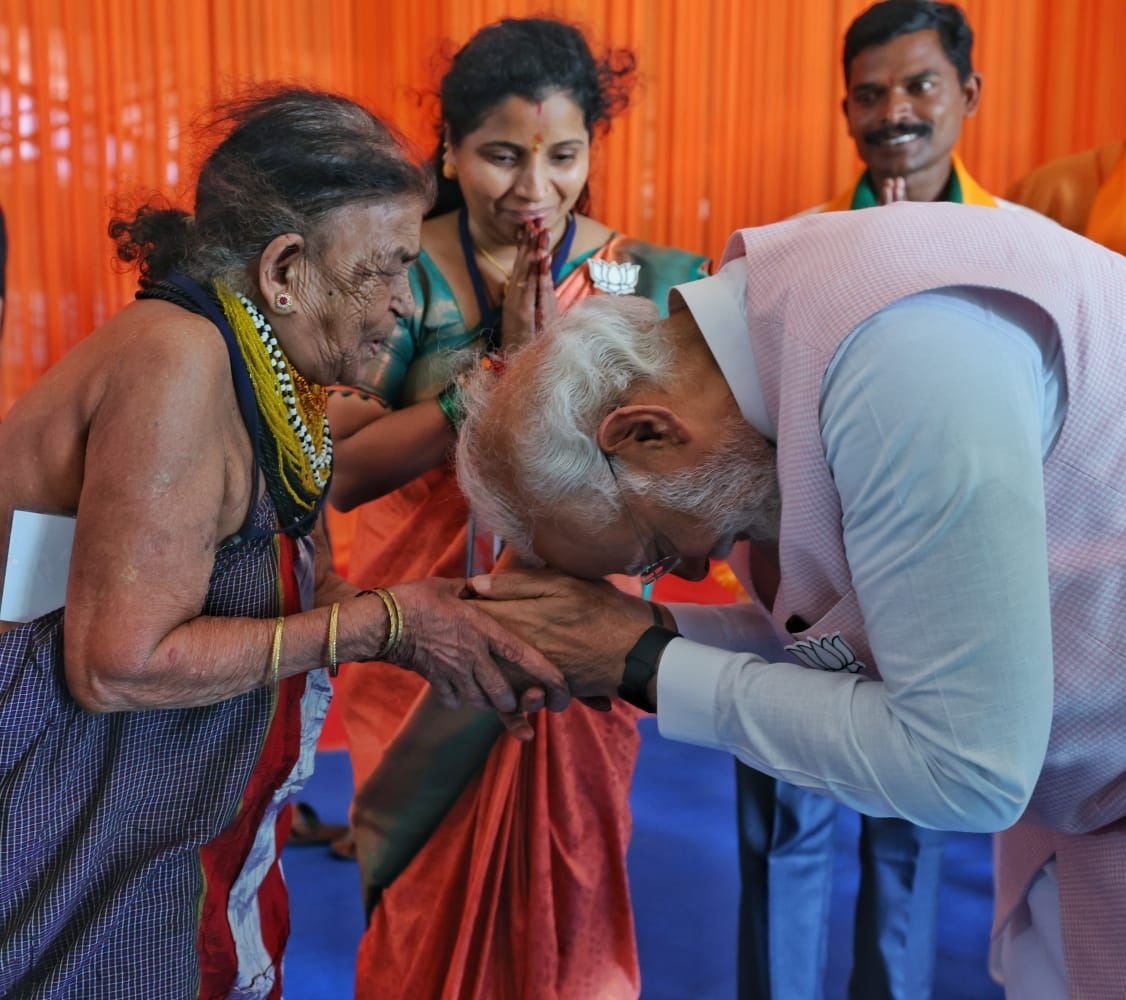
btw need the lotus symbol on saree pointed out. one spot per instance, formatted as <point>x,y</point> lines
<point>829,652</point>
<point>614,277</point>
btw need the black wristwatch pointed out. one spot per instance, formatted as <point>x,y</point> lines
<point>641,665</point>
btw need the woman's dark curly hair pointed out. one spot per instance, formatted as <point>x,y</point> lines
<point>289,158</point>
<point>531,58</point>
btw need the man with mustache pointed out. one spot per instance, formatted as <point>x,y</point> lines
<point>910,84</point>
<point>940,564</point>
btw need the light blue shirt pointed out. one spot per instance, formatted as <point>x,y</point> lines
<point>936,416</point>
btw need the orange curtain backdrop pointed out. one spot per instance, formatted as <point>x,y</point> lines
<point>736,122</point>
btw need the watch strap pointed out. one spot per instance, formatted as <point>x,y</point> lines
<point>641,665</point>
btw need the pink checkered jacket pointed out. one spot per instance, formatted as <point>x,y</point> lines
<point>838,270</point>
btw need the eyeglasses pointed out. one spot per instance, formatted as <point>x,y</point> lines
<point>652,571</point>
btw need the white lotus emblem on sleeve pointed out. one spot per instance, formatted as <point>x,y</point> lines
<point>614,277</point>
<point>829,652</point>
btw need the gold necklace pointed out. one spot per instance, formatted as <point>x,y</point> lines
<point>506,272</point>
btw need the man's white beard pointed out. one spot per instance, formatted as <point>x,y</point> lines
<point>734,491</point>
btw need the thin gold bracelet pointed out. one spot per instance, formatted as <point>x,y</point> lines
<point>275,652</point>
<point>333,620</point>
<point>400,621</point>
<point>394,622</point>
<point>395,631</point>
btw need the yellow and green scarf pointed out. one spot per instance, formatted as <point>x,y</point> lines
<point>962,189</point>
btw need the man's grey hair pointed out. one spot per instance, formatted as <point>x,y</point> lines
<point>528,450</point>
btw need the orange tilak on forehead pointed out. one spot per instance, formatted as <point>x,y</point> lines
<point>537,139</point>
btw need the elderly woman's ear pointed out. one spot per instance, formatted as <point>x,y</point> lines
<point>279,271</point>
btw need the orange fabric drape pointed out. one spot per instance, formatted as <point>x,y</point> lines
<point>737,120</point>
<point>1107,221</point>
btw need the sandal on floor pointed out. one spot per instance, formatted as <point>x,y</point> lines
<point>307,827</point>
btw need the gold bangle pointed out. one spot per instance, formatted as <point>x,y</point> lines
<point>333,621</point>
<point>394,622</point>
<point>275,651</point>
<point>400,621</point>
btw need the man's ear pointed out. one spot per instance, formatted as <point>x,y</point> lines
<point>642,426</point>
<point>971,91</point>
<point>277,271</point>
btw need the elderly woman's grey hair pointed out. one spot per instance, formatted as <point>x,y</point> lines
<point>528,451</point>
<point>288,159</point>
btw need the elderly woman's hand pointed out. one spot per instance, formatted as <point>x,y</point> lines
<point>468,656</point>
<point>529,303</point>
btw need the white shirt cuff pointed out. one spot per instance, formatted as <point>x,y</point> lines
<point>687,681</point>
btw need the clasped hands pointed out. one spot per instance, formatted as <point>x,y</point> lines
<point>585,628</point>
<point>519,641</point>
<point>529,302</point>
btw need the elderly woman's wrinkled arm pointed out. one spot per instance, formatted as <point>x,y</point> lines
<point>166,479</point>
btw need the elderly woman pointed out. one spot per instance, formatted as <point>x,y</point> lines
<point>156,725</point>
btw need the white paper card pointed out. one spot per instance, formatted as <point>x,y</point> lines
<point>38,564</point>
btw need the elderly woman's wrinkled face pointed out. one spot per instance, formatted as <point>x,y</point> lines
<point>527,162</point>
<point>356,284</point>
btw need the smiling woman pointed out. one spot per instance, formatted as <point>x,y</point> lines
<point>507,249</point>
